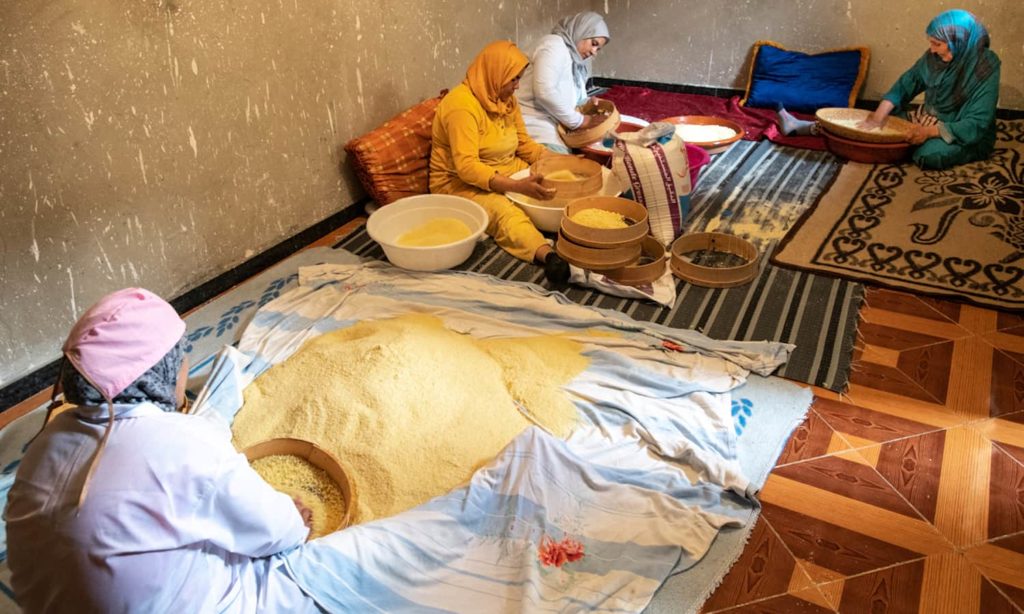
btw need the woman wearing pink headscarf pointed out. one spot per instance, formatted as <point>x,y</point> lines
<point>122,504</point>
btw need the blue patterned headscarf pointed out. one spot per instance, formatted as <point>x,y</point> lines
<point>580,26</point>
<point>955,81</point>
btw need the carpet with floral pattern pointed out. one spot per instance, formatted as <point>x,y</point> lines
<point>957,232</point>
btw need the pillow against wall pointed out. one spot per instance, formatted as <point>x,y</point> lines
<point>805,82</point>
<point>391,160</point>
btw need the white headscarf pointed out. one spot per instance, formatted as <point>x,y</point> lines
<point>580,26</point>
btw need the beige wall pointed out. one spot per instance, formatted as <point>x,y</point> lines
<point>708,43</point>
<point>162,142</point>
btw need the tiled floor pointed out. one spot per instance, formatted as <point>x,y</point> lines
<point>906,494</point>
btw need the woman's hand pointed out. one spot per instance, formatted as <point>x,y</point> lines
<point>305,512</point>
<point>530,186</point>
<point>589,121</point>
<point>878,118</point>
<point>919,133</point>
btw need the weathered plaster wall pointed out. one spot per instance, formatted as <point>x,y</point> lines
<point>708,43</point>
<point>161,142</point>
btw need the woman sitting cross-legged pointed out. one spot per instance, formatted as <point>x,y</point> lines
<point>479,141</point>
<point>959,76</point>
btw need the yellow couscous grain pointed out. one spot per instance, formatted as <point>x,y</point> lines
<point>600,218</point>
<point>312,486</point>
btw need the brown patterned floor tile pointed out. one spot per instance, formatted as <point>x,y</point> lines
<point>864,423</point>
<point>845,478</point>
<point>913,467</point>
<point>894,590</point>
<point>765,569</point>
<point>900,302</point>
<point>895,338</point>
<point>1006,495</point>
<point>950,309</point>
<point>1001,561</point>
<point>1007,383</point>
<point>831,546</point>
<point>813,438</point>
<point>890,380</point>
<point>1015,452</point>
<point>785,604</point>
<point>1007,432</point>
<point>1012,323</point>
<point>909,408</point>
<point>999,598</point>
<point>929,367</point>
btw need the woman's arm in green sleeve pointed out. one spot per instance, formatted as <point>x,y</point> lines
<point>910,84</point>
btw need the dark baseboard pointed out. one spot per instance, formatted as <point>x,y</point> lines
<point>28,385</point>
<point>726,92</point>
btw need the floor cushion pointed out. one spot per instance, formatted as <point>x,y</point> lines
<point>391,160</point>
<point>802,81</point>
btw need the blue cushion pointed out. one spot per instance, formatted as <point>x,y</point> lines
<point>805,82</point>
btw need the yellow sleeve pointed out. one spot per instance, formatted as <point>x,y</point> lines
<point>463,132</point>
<point>528,149</point>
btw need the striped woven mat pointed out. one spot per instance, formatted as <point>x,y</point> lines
<point>756,190</point>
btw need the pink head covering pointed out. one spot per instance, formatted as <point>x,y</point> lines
<point>121,337</point>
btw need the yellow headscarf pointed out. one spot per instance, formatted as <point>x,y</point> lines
<point>493,67</point>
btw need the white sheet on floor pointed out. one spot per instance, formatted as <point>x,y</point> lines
<point>644,486</point>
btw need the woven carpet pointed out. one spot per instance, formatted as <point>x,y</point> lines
<point>757,190</point>
<point>957,233</point>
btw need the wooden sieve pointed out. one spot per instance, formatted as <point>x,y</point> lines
<point>582,138</point>
<point>713,277</point>
<point>590,181</point>
<point>316,456</point>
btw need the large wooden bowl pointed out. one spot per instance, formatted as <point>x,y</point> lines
<point>870,153</point>
<point>580,138</point>
<point>841,121</point>
<point>316,456</point>
<point>590,178</point>
<point>711,146</point>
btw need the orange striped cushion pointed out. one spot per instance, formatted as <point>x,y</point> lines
<point>391,160</point>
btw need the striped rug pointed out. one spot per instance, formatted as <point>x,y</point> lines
<point>756,190</point>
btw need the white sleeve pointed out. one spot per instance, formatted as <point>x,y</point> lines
<point>246,516</point>
<point>553,87</point>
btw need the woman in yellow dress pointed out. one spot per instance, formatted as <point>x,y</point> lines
<point>479,141</point>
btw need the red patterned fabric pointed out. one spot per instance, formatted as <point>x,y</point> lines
<point>391,161</point>
<point>653,105</point>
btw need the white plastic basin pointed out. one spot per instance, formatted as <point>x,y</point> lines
<point>546,217</point>
<point>388,223</point>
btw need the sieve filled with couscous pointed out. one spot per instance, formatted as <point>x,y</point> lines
<point>309,474</point>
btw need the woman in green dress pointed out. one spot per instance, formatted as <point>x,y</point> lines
<point>959,76</point>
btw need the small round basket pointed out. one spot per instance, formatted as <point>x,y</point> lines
<point>316,456</point>
<point>587,180</point>
<point>842,122</point>
<point>582,138</point>
<point>606,238</point>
